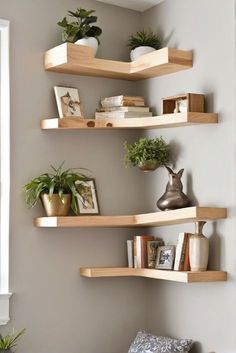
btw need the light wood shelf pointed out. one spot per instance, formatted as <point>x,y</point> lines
<point>163,121</point>
<point>176,276</point>
<point>180,216</point>
<point>76,59</point>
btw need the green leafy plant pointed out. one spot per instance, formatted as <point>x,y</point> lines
<point>10,341</point>
<point>144,38</point>
<point>80,27</point>
<point>145,150</point>
<point>59,182</point>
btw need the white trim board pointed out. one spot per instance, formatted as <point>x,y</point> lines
<point>4,170</point>
<point>137,5</point>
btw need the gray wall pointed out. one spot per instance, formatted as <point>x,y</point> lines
<point>204,312</point>
<point>62,311</point>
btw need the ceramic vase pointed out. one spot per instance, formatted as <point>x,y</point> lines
<point>139,51</point>
<point>198,249</point>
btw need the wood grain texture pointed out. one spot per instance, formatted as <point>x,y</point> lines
<point>180,216</point>
<point>176,276</point>
<point>76,59</point>
<point>162,121</point>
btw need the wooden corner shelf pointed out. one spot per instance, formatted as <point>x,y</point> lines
<point>76,59</point>
<point>157,219</point>
<point>162,121</point>
<point>176,276</point>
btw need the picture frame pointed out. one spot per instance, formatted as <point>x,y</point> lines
<point>87,200</point>
<point>68,102</point>
<point>165,257</point>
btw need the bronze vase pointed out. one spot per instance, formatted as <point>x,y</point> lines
<point>53,205</point>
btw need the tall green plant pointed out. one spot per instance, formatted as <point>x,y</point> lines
<point>144,38</point>
<point>80,27</point>
<point>145,150</point>
<point>10,341</point>
<point>59,182</point>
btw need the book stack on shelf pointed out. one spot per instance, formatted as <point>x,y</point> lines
<point>144,251</point>
<point>122,107</point>
<point>182,253</point>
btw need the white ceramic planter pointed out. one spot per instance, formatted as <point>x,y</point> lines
<point>137,52</point>
<point>89,42</point>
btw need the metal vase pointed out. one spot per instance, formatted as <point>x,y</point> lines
<point>53,205</point>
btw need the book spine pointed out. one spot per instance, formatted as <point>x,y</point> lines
<point>135,252</point>
<point>180,248</point>
<point>130,253</point>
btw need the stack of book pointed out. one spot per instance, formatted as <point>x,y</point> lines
<point>120,107</point>
<point>182,253</point>
<point>142,251</point>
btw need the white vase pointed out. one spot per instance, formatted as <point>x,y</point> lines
<point>198,249</point>
<point>89,42</point>
<point>137,52</point>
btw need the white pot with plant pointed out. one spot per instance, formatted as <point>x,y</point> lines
<point>80,31</point>
<point>147,154</point>
<point>143,42</point>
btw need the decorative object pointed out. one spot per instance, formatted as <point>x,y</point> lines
<point>147,343</point>
<point>173,197</point>
<point>143,42</point>
<point>165,257</point>
<point>80,31</point>
<point>189,102</point>
<point>152,247</point>
<point>56,190</point>
<point>87,197</point>
<point>68,102</point>
<point>10,341</point>
<point>198,249</point>
<point>147,154</point>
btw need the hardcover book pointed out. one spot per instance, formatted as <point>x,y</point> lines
<point>130,254</point>
<point>121,115</point>
<point>140,250</point>
<point>180,252</point>
<point>119,101</point>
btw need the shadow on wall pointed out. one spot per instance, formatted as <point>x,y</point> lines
<point>215,242</point>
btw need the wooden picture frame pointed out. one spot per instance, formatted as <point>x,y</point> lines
<point>68,102</point>
<point>165,257</point>
<point>87,200</point>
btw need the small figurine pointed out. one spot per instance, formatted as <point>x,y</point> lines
<point>173,197</point>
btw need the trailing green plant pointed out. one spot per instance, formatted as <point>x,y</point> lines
<point>59,182</point>
<point>80,27</point>
<point>144,38</point>
<point>10,340</point>
<point>145,150</point>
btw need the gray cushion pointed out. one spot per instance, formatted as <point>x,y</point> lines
<point>148,343</point>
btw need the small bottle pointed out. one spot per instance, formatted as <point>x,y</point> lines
<point>198,249</point>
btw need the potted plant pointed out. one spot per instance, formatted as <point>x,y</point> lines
<point>9,341</point>
<point>57,191</point>
<point>80,31</point>
<point>147,154</point>
<point>143,42</point>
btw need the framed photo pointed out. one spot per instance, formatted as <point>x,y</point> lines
<point>165,257</point>
<point>68,102</point>
<point>87,197</point>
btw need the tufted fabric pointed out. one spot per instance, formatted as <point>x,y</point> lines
<point>147,343</point>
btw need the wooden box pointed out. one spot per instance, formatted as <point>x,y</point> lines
<point>189,102</point>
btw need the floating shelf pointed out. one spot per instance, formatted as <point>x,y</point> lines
<point>77,59</point>
<point>176,276</point>
<point>163,121</point>
<point>180,216</point>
